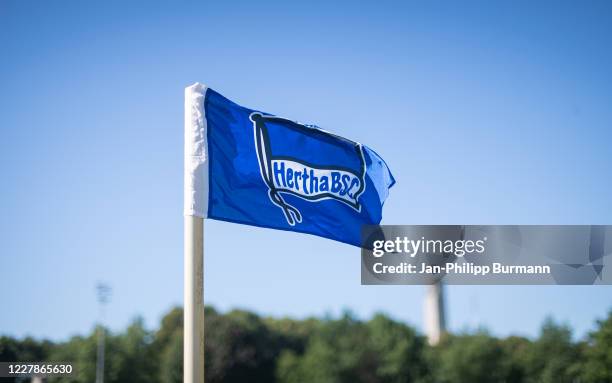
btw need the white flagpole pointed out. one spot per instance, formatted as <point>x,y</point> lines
<point>193,347</point>
<point>196,207</point>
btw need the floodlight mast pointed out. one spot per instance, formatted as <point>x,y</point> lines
<point>103,292</point>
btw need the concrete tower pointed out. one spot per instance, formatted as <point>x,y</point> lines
<point>433,313</point>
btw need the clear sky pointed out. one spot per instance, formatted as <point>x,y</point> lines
<point>486,112</point>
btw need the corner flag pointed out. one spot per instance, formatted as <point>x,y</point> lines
<point>250,167</point>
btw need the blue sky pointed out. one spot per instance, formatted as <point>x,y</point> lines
<point>487,113</point>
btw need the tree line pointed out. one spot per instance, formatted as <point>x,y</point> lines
<point>244,347</point>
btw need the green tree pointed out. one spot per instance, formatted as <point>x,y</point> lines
<point>515,349</point>
<point>129,356</point>
<point>81,351</point>
<point>348,350</point>
<point>553,357</point>
<point>470,358</point>
<point>132,357</point>
<point>292,334</point>
<point>26,350</point>
<point>598,353</point>
<point>239,348</point>
<point>399,350</point>
<point>168,345</point>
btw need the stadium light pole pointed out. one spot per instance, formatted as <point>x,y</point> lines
<point>103,292</point>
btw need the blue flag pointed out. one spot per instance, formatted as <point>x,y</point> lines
<point>250,167</point>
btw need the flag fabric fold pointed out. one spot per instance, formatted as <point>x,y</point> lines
<point>250,167</point>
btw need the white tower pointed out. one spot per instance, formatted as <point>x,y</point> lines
<point>433,313</point>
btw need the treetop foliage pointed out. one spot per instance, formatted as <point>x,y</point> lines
<point>244,347</point>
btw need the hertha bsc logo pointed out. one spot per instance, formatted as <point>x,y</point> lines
<point>288,174</point>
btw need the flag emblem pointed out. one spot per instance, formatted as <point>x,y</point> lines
<point>311,182</point>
